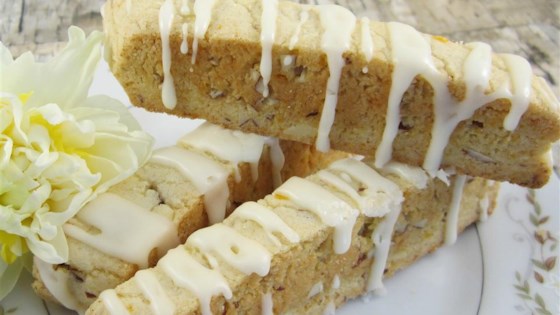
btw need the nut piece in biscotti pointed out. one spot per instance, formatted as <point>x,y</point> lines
<point>313,243</point>
<point>162,192</point>
<point>365,87</point>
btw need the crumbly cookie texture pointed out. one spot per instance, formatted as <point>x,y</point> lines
<point>296,268</point>
<point>224,86</point>
<point>167,192</point>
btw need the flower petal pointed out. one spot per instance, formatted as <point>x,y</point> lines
<point>9,275</point>
<point>75,66</point>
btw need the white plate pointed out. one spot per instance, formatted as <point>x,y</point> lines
<point>507,265</point>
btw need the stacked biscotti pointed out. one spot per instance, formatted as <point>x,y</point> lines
<point>160,206</point>
<point>306,247</point>
<point>437,121</point>
<point>371,88</point>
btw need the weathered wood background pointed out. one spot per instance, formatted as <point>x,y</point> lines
<point>530,28</point>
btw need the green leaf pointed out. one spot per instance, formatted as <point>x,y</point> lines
<point>534,219</point>
<point>553,247</point>
<point>543,311</point>
<point>519,288</point>
<point>539,264</point>
<point>524,296</point>
<point>526,287</point>
<point>539,300</point>
<point>530,196</point>
<point>518,276</point>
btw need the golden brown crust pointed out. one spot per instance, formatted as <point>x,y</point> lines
<point>227,66</point>
<point>297,267</point>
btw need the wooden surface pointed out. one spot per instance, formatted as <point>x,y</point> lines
<point>530,28</point>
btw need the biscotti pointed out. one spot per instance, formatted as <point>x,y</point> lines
<point>166,200</point>
<point>311,245</point>
<point>370,88</point>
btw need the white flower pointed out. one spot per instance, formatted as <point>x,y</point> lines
<point>59,148</point>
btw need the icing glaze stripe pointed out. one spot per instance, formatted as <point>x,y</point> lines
<point>112,303</point>
<point>476,74</point>
<point>230,146</point>
<point>380,195</point>
<point>453,212</point>
<point>209,177</point>
<point>303,17</point>
<point>367,42</point>
<point>335,41</point>
<point>166,15</point>
<point>203,13</point>
<point>268,30</point>
<point>154,292</point>
<point>382,240</point>
<point>188,273</point>
<point>520,74</point>
<point>411,55</point>
<point>244,254</point>
<point>132,242</point>
<point>267,305</point>
<point>268,220</point>
<point>332,210</point>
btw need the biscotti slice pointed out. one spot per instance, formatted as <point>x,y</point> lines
<point>318,75</point>
<point>180,190</point>
<point>312,244</point>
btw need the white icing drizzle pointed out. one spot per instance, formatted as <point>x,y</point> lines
<point>131,242</point>
<point>335,41</point>
<point>203,13</point>
<point>343,186</point>
<point>520,74</point>
<point>112,303</point>
<point>267,305</point>
<point>411,55</point>
<point>57,284</point>
<point>188,273</point>
<point>453,212</point>
<point>277,159</point>
<point>228,145</point>
<point>208,176</point>
<point>268,30</point>
<point>367,42</point>
<point>476,74</point>
<point>185,9</point>
<point>380,195</point>
<point>315,289</point>
<point>148,283</point>
<point>184,43</point>
<point>382,240</point>
<point>268,220</point>
<point>484,204</point>
<point>303,17</point>
<point>244,254</point>
<point>332,210</point>
<point>330,309</point>
<point>128,6</point>
<point>414,175</point>
<point>166,15</point>
<point>336,282</point>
